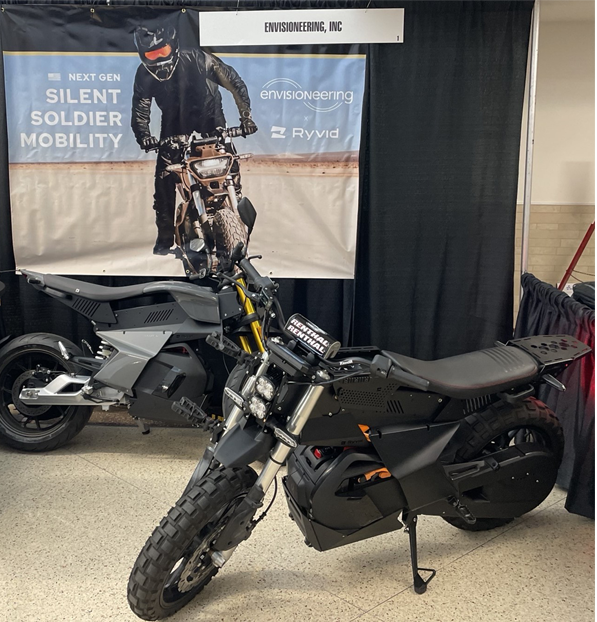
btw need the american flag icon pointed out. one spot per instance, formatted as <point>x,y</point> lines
<point>56,77</point>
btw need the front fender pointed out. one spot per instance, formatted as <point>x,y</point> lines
<point>243,445</point>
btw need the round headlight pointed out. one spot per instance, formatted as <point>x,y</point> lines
<point>211,167</point>
<point>258,407</point>
<point>266,388</point>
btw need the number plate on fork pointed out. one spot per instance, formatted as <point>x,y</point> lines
<point>311,336</point>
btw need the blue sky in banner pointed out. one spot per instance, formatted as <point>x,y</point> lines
<point>76,108</point>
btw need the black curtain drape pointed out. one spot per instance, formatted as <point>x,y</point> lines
<point>546,310</point>
<point>440,167</point>
<point>438,174</point>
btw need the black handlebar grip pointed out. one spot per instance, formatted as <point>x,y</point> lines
<point>263,283</point>
<point>410,380</point>
<point>251,272</point>
<point>385,368</point>
<point>166,142</point>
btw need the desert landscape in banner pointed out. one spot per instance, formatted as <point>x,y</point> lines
<point>101,214</point>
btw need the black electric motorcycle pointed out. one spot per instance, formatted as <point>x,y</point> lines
<point>149,354</point>
<point>372,439</point>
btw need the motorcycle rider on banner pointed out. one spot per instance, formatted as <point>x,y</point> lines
<point>184,85</point>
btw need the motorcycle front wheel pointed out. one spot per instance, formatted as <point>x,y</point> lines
<point>228,231</point>
<point>175,565</point>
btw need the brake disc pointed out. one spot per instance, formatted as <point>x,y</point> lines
<point>195,569</point>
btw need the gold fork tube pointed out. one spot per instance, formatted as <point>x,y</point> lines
<point>249,310</point>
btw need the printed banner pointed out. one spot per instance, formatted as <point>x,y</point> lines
<point>119,165</point>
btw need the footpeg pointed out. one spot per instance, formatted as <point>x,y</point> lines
<point>224,345</point>
<point>463,511</point>
<point>195,414</point>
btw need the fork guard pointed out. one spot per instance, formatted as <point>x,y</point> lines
<point>244,444</point>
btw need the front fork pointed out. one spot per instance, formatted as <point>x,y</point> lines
<point>255,327</point>
<point>233,418</point>
<point>200,207</point>
<point>239,527</point>
<point>232,195</point>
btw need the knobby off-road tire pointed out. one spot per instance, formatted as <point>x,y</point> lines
<point>188,525</point>
<point>228,231</point>
<point>487,426</point>
<point>57,424</point>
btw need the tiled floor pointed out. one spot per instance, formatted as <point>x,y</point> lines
<point>73,521</point>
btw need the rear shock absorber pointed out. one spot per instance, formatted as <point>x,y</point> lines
<point>104,351</point>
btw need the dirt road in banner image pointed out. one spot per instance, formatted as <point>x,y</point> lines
<point>97,218</point>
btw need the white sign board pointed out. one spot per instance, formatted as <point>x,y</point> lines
<point>222,28</point>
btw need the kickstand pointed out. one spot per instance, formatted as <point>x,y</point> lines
<point>419,583</point>
<point>145,429</point>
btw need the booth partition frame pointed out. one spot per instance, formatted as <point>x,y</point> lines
<point>530,140</point>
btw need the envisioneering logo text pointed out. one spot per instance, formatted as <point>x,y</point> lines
<point>285,89</point>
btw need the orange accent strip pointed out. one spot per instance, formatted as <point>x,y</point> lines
<point>383,473</point>
<point>365,431</point>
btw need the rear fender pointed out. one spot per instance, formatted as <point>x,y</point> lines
<point>5,340</point>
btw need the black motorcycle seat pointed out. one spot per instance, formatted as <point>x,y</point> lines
<point>106,294</point>
<point>473,374</point>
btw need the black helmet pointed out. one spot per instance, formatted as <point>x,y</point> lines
<point>158,49</point>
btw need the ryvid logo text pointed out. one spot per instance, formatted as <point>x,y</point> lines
<point>301,132</point>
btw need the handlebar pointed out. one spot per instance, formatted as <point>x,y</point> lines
<point>167,142</point>
<point>183,139</point>
<point>253,276</point>
<point>265,286</point>
<point>235,132</point>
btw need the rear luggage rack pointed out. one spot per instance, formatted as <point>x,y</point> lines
<point>552,349</point>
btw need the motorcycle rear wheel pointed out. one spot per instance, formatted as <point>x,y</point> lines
<point>491,431</point>
<point>174,565</point>
<point>36,428</point>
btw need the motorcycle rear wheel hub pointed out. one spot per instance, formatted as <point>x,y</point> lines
<point>19,384</point>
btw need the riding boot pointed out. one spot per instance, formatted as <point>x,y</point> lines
<point>164,203</point>
<point>165,237</point>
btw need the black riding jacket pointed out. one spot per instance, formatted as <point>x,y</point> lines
<point>190,100</point>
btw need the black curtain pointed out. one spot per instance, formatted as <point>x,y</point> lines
<point>545,310</point>
<point>439,162</point>
<point>440,169</point>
